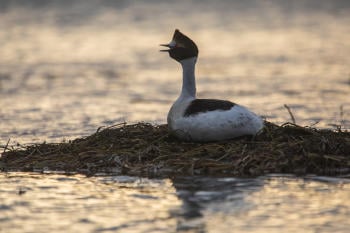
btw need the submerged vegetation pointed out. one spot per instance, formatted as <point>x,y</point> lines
<point>147,150</point>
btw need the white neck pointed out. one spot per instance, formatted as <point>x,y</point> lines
<point>188,78</point>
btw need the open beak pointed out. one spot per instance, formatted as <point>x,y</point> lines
<point>165,50</point>
<point>171,45</point>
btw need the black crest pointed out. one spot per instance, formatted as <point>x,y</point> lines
<point>207,105</point>
<point>182,47</point>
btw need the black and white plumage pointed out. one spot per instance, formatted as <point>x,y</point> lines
<point>204,119</point>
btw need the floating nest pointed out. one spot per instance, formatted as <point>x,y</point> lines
<point>148,150</point>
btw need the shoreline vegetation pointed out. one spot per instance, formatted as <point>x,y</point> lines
<point>149,150</point>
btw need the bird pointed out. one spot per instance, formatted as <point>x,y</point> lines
<point>204,120</point>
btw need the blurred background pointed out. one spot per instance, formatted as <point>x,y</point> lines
<point>68,67</point>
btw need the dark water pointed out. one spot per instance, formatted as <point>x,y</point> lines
<point>69,67</point>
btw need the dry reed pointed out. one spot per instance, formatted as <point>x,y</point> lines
<point>147,150</point>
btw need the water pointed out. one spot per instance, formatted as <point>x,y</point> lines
<point>56,203</point>
<point>68,67</point>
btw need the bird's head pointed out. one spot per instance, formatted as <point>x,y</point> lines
<point>181,47</point>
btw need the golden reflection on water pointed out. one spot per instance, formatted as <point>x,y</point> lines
<point>294,205</point>
<point>58,203</point>
<point>32,202</point>
<point>66,70</point>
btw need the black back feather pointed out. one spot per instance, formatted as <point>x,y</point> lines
<point>207,105</point>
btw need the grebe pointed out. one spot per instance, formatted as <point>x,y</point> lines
<point>204,120</point>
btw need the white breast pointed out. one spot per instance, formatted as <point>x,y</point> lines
<point>214,125</point>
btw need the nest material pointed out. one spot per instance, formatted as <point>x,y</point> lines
<point>147,150</point>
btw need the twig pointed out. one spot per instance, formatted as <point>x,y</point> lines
<point>342,120</point>
<point>290,113</point>
<point>8,141</point>
<point>111,126</point>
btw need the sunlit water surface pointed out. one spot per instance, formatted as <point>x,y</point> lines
<point>68,67</point>
<point>58,203</point>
